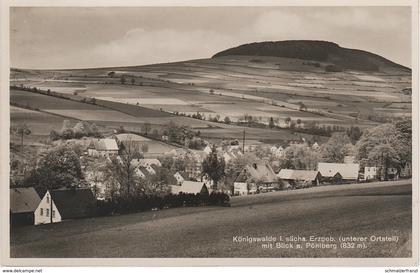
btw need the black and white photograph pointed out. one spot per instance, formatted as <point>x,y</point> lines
<point>212,132</point>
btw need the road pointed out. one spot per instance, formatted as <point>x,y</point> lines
<point>359,210</point>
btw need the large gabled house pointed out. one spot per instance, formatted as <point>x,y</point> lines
<point>300,177</point>
<point>339,172</point>
<point>103,147</point>
<point>254,177</point>
<point>23,203</point>
<point>63,204</point>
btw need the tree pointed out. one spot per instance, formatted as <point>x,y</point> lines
<point>214,167</point>
<point>336,148</point>
<point>133,81</point>
<point>21,130</point>
<point>111,74</point>
<point>271,124</point>
<point>54,135</point>
<point>121,170</point>
<point>287,121</point>
<point>227,120</point>
<point>145,148</point>
<point>146,127</point>
<point>60,167</point>
<point>299,156</point>
<point>122,80</point>
<point>384,146</point>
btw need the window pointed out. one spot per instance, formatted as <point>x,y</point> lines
<point>48,199</point>
<point>53,213</point>
<point>47,212</point>
<point>41,212</point>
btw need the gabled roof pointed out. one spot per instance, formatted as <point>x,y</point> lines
<point>23,200</point>
<point>257,171</point>
<point>346,170</point>
<point>189,187</point>
<point>301,175</point>
<point>184,175</point>
<point>104,144</point>
<point>74,203</point>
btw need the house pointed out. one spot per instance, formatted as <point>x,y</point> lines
<point>146,162</point>
<point>277,152</point>
<point>63,204</point>
<point>297,177</point>
<point>150,169</point>
<point>240,188</point>
<point>370,173</point>
<point>254,175</point>
<point>207,150</point>
<point>140,173</point>
<point>190,187</point>
<point>337,172</point>
<point>23,203</point>
<point>103,147</point>
<point>180,177</point>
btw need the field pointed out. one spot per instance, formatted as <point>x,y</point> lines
<point>233,86</point>
<point>358,210</point>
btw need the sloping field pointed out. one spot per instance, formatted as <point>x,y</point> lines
<point>230,86</point>
<point>358,210</point>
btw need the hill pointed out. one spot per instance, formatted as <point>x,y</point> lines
<point>244,90</point>
<point>320,51</point>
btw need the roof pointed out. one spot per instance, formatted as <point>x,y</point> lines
<point>189,187</point>
<point>131,137</point>
<point>23,200</point>
<point>257,171</point>
<point>74,203</point>
<point>104,144</point>
<point>305,175</point>
<point>346,170</point>
<point>144,162</point>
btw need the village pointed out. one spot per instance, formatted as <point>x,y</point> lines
<point>93,172</point>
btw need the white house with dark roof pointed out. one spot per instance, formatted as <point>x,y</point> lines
<point>62,204</point>
<point>103,147</point>
<point>23,203</point>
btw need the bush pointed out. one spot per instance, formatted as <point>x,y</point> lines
<point>145,203</point>
<point>333,68</point>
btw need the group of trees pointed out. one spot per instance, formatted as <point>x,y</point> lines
<point>184,136</point>
<point>59,167</point>
<point>79,130</point>
<point>386,146</point>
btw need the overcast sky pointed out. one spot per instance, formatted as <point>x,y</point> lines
<point>95,37</point>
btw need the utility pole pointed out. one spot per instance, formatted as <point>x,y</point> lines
<point>243,143</point>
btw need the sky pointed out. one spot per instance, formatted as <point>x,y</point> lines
<point>59,37</point>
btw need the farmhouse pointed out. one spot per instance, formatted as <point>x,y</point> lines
<point>370,173</point>
<point>190,187</point>
<point>23,203</point>
<point>126,140</point>
<point>252,176</point>
<point>103,147</point>
<point>181,177</point>
<point>337,172</point>
<point>295,177</point>
<point>62,204</point>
